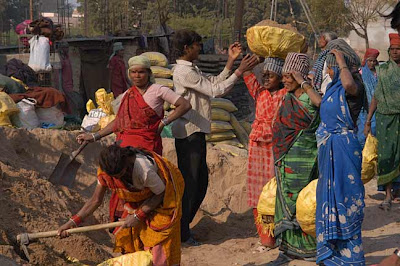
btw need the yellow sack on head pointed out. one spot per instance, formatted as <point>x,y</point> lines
<point>223,104</point>
<point>306,206</point>
<point>156,59</point>
<point>220,136</point>
<point>103,100</point>
<point>266,203</point>
<point>218,114</point>
<point>161,72</point>
<point>139,258</point>
<point>165,82</point>
<point>369,159</point>
<point>270,39</point>
<point>220,126</point>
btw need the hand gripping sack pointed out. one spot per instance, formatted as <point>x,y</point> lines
<point>270,39</point>
<point>306,206</point>
<point>369,159</point>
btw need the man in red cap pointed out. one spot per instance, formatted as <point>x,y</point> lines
<point>368,74</point>
<point>386,103</point>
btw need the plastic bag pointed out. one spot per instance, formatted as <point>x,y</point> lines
<point>161,72</point>
<point>239,131</point>
<point>223,104</point>
<point>156,59</point>
<point>220,136</point>
<point>26,117</point>
<point>139,258</point>
<point>306,206</point>
<point>39,58</point>
<point>165,82</point>
<point>266,203</point>
<point>104,100</point>
<point>218,114</point>
<point>220,126</point>
<point>369,159</point>
<point>270,39</point>
<point>52,115</point>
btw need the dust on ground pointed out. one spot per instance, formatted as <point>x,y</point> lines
<point>225,226</point>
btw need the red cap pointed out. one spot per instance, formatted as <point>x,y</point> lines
<point>370,53</point>
<point>394,39</point>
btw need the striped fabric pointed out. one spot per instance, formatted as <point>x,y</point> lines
<point>296,62</point>
<point>274,64</point>
<point>352,59</point>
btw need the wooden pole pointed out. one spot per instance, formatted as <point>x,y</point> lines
<point>237,30</point>
<point>86,17</point>
<point>31,10</point>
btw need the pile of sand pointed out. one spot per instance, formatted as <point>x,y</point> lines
<point>30,203</point>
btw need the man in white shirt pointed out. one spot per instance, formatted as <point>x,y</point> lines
<point>189,131</point>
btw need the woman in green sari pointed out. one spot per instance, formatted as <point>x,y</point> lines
<point>295,153</point>
<point>386,103</point>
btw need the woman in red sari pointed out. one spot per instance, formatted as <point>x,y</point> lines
<point>140,118</point>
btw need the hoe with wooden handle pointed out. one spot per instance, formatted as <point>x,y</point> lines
<point>25,238</point>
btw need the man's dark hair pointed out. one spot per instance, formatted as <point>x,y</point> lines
<point>182,38</point>
<point>395,16</point>
<point>114,158</point>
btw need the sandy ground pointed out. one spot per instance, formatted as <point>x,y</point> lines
<point>29,203</point>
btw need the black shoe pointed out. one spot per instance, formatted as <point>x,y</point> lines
<point>281,260</point>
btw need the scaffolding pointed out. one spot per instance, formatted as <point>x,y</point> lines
<point>64,13</point>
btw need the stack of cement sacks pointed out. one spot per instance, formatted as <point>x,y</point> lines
<point>225,128</point>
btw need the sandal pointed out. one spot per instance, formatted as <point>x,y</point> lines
<point>281,260</point>
<point>386,205</point>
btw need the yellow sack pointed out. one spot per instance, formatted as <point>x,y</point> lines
<point>103,100</point>
<point>90,106</point>
<point>266,203</point>
<point>232,142</point>
<point>156,59</point>
<point>220,136</point>
<point>246,125</point>
<point>223,104</point>
<point>165,82</point>
<point>104,121</point>
<point>139,258</point>
<point>239,131</point>
<point>5,121</point>
<point>220,126</point>
<point>161,72</point>
<point>306,206</point>
<point>369,159</point>
<point>218,114</point>
<point>270,39</point>
<point>7,104</point>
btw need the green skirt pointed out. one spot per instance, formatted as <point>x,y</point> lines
<point>387,133</point>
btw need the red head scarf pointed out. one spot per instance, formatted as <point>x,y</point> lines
<point>370,53</point>
<point>394,39</point>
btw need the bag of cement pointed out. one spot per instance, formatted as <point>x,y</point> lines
<point>232,150</point>
<point>220,126</point>
<point>39,58</point>
<point>91,121</point>
<point>223,104</point>
<point>214,137</point>
<point>165,82</point>
<point>7,108</point>
<point>156,59</point>
<point>266,203</point>
<point>117,102</point>
<point>306,206</point>
<point>161,72</point>
<point>232,142</point>
<point>270,39</point>
<point>369,167</point>
<point>218,114</point>
<point>26,117</point>
<point>138,258</point>
<point>52,115</point>
<point>246,125</point>
<point>239,131</point>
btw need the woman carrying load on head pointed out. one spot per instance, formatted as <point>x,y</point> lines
<point>295,153</point>
<point>140,118</point>
<point>268,97</point>
<point>151,189</point>
<point>340,191</point>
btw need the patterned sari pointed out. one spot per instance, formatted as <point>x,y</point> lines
<point>161,232</point>
<point>295,152</point>
<point>340,191</point>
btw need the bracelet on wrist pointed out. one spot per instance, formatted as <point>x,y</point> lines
<point>76,219</point>
<point>303,83</point>
<point>165,121</point>
<point>141,214</point>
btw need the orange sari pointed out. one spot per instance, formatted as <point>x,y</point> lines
<point>161,232</point>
